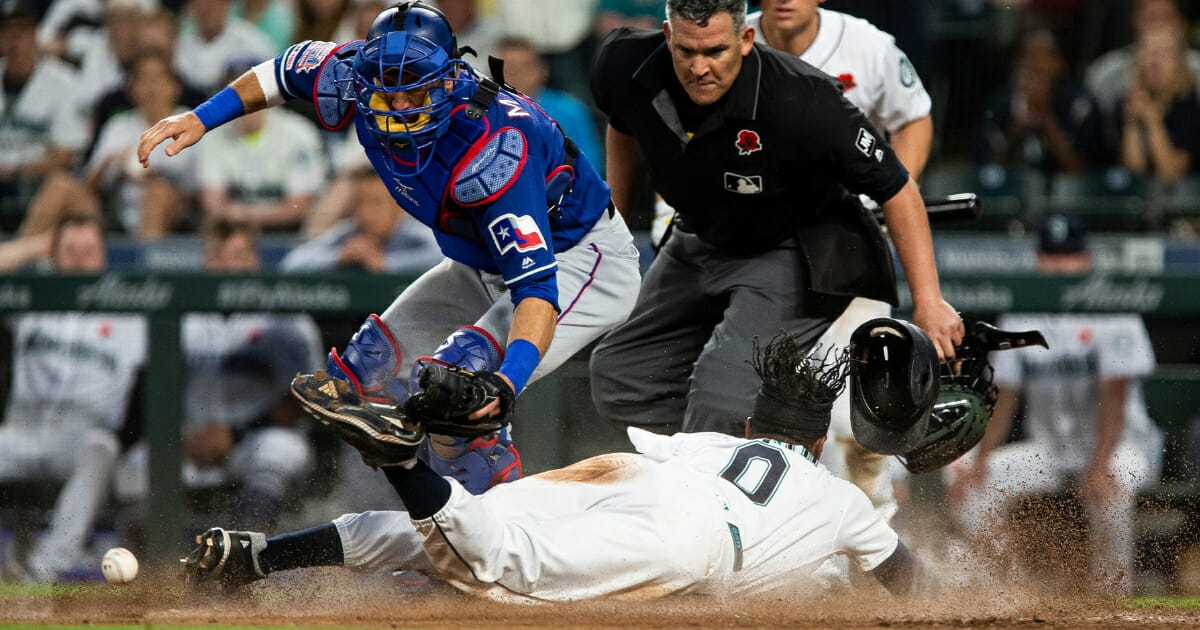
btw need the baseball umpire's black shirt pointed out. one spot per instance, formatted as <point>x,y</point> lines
<point>778,154</point>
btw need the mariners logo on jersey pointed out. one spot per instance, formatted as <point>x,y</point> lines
<point>748,142</point>
<point>521,233</point>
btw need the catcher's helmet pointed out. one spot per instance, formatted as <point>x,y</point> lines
<point>417,18</point>
<point>893,385</point>
<point>411,51</point>
<point>966,398</point>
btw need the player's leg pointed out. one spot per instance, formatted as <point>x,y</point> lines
<point>368,542</point>
<point>639,372</point>
<point>1112,530</point>
<point>89,468</point>
<point>551,538</point>
<point>843,455</point>
<point>377,359</point>
<point>766,294</point>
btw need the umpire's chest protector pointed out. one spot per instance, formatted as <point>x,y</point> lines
<point>781,155</point>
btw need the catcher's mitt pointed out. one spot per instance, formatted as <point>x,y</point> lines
<point>450,394</point>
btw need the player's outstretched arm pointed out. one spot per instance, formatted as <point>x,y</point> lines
<point>904,574</point>
<point>908,225</point>
<point>245,95</point>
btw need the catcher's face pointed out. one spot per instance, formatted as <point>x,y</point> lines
<point>707,59</point>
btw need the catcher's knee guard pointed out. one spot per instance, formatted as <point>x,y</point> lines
<point>370,363</point>
<point>484,461</point>
<point>470,348</point>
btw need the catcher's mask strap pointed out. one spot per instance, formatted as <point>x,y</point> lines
<point>992,338</point>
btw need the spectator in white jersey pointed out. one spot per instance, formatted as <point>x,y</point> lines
<point>73,383</point>
<point>211,40</point>
<point>700,513</point>
<point>1084,419</point>
<point>38,99</point>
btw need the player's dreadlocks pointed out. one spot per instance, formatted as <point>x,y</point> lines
<point>798,388</point>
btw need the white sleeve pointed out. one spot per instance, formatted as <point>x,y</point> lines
<point>862,534</point>
<point>902,98</point>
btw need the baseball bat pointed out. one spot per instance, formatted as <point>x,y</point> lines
<point>957,207</point>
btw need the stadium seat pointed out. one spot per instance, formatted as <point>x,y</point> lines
<point>1004,194</point>
<point>1109,200</point>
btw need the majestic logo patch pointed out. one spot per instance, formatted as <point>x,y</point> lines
<point>865,142</point>
<point>743,184</point>
<point>847,81</point>
<point>748,142</point>
<point>521,233</point>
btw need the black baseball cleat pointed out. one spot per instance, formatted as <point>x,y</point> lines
<point>382,434</point>
<point>224,559</point>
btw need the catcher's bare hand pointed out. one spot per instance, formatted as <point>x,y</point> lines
<point>186,129</point>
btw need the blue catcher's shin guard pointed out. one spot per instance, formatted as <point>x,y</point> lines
<point>482,462</point>
<point>371,363</point>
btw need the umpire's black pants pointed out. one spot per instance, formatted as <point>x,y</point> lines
<point>681,360</point>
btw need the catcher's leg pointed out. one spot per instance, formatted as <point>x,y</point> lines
<point>371,364</point>
<point>477,463</point>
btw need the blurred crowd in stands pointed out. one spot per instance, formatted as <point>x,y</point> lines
<point>1044,99</point>
<point>1086,106</point>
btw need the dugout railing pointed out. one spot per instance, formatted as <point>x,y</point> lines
<point>555,409</point>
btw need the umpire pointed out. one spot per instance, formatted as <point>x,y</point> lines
<point>762,159</point>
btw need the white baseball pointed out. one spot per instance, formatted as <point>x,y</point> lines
<point>119,565</point>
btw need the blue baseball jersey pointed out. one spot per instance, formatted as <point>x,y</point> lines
<point>490,184</point>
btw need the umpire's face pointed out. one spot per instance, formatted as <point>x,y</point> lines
<point>707,57</point>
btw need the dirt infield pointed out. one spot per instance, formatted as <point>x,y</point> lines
<point>335,598</point>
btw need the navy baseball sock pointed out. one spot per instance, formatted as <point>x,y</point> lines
<point>313,547</point>
<point>423,491</point>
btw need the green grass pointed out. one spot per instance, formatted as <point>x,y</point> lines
<point>1188,602</point>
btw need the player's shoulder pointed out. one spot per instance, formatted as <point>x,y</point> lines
<point>624,49</point>
<point>855,30</point>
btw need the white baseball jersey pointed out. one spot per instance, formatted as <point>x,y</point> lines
<point>203,63</point>
<point>239,365</point>
<point>118,138</point>
<point>73,369</point>
<point>45,115</point>
<point>703,512</point>
<point>875,74</point>
<point>1061,384</point>
<point>284,159</point>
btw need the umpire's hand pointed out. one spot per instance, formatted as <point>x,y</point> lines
<point>186,129</point>
<point>943,325</point>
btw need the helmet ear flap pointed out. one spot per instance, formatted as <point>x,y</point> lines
<point>893,384</point>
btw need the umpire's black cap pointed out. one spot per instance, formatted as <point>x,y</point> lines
<point>1060,233</point>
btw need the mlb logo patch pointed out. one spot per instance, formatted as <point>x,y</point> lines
<point>521,233</point>
<point>865,142</point>
<point>313,57</point>
<point>743,184</point>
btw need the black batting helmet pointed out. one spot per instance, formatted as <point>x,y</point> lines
<point>965,399</point>
<point>893,385</point>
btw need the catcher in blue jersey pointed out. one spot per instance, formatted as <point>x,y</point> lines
<point>535,252</point>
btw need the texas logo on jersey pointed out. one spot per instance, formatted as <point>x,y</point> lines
<point>510,231</point>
